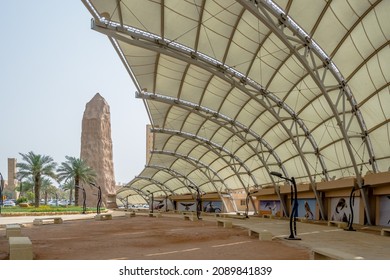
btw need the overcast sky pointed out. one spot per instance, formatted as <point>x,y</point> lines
<point>51,65</point>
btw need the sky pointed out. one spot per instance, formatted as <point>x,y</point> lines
<point>51,64</point>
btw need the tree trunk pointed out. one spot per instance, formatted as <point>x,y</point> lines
<point>21,189</point>
<point>36,190</point>
<point>70,196</point>
<point>76,191</point>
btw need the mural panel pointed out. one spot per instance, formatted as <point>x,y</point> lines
<point>186,206</point>
<point>307,208</point>
<point>341,210</point>
<point>212,206</point>
<point>163,205</point>
<point>384,210</point>
<point>270,207</point>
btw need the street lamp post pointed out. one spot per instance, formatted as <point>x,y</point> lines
<point>247,205</point>
<point>294,203</point>
<point>20,188</point>
<point>351,204</point>
<point>99,202</point>
<point>56,194</point>
<point>198,201</point>
<point>84,199</point>
<point>1,191</point>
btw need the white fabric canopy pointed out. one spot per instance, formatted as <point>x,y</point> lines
<point>236,89</point>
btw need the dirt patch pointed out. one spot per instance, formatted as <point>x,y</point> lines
<point>144,238</point>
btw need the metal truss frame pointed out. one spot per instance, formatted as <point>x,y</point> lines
<point>277,21</point>
<point>236,79</point>
<point>290,34</point>
<point>216,118</point>
<point>199,166</point>
<point>216,149</point>
<point>175,174</point>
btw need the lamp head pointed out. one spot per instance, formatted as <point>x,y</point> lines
<point>277,174</point>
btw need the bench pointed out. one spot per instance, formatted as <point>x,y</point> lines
<point>155,215</point>
<point>41,221</point>
<point>143,210</point>
<point>242,217</point>
<point>129,214</point>
<point>224,223</point>
<point>261,233</point>
<point>12,230</point>
<point>190,217</point>
<point>269,216</point>
<point>20,248</point>
<point>103,217</point>
<point>385,231</point>
<point>233,216</point>
<point>338,224</point>
<point>333,254</point>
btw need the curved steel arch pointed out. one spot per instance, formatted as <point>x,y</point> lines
<point>235,78</point>
<point>140,192</point>
<point>313,71</point>
<point>175,174</point>
<point>263,10</point>
<point>216,149</point>
<point>214,116</point>
<point>161,185</point>
<point>197,109</point>
<point>195,162</point>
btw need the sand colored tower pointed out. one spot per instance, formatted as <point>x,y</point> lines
<point>96,151</point>
<point>11,173</point>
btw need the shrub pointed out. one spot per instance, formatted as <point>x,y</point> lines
<point>21,199</point>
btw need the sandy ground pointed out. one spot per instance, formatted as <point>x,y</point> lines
<point>144,238</point>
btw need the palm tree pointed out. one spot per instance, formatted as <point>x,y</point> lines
<point>38,167</point>
<point>76,169</point>
<point>69,186</point>
<point>25,186</point>
<point>47,188</point>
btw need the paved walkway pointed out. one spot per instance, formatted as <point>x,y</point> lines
<point>365,243</point>
<point>4,220</point>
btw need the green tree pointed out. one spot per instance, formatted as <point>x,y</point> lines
<point>75,169</point>
<point>69,186</point>
<point>25,186</point>
<point>38,167</point>
<point>47,188</point>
